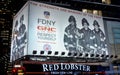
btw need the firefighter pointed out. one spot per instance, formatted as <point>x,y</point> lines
<point>22,36</point>
<point>15,41</point>
<point>99,38</point>
<point>70,36</point>
<point>86,37</point>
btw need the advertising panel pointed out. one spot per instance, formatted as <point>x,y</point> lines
<point>42,27</point>
<point>58,29</point>
<point>19,34</point>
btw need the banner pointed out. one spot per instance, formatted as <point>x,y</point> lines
<point>42,27</point>
<point>53,28</point>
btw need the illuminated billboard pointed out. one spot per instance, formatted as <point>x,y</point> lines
<point>63,68</point>
<point>57,29</point>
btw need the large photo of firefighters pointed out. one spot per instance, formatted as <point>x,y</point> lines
<point>19,34</point>
<point>58,29</point>
<point>84,39</point>
<point>19,38</point>
<point>73,31</point>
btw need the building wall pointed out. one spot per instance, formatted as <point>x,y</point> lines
<point>113,32</point>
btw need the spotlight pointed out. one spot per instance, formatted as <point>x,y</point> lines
<point>97,55</point>
<point>69,54</point>
<point>75,54</point>
<point>34,52</point>
<point>92,55</point>
<point>49,52</point>
<point>56,53</point>
<point>63,53</point>
<point>86,55</point>
<point>80,54</point>
<point>42,52</point>
<point>115,56</point>
<point>102,55</point>
<point>111,56</point>
<point>107,56</point>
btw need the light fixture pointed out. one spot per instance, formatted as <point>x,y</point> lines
<point>107,56</point>
<point>49,52</point>
<point>86,55</point>
<point>41,52</point>
<point>56,53</point>
<point>115,56</point>
<point>34,52</point>
<point>80,54</point>
<point>62,53</point>
<point>75,54</point>
<point>92,55</point>
<point>69,54</point>
<point>111,56</point>
<point>102,55</point>
<point>97,55</point>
